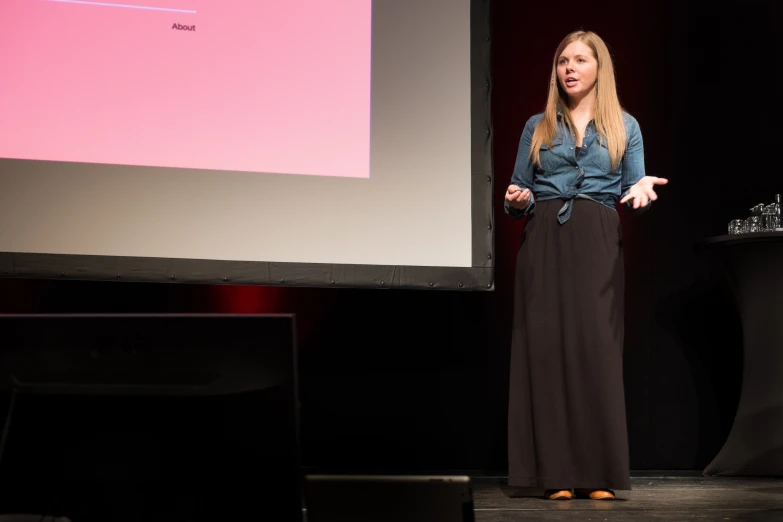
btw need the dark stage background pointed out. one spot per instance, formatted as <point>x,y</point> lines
<point>409,380</point>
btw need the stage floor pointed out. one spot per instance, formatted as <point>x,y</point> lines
<point>653,498</point>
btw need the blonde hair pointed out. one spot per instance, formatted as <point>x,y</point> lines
<point>608,114</point>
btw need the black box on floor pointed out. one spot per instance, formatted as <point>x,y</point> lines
<point>150,417</point>
<point>388,498</point>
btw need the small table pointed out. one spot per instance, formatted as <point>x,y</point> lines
<point>753,264</point>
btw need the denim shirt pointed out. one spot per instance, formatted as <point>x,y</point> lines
<point>566,176</point>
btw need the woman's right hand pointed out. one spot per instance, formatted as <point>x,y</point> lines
<point>517,197</point>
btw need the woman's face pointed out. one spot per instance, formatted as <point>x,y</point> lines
<point>577,70</point>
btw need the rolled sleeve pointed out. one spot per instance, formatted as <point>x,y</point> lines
<point>633,162</point>
<point>523,174</point>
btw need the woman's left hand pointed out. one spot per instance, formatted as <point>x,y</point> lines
<point>643,191</point>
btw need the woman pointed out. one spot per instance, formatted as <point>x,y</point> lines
<point>567,427</point>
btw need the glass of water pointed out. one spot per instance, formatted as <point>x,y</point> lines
<point>736,226</point>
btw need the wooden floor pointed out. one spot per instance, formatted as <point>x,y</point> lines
<point>653,498</point>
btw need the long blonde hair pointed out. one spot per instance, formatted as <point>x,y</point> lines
<point>608,115</point>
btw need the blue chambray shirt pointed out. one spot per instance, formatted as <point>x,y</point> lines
<point>564,175</point>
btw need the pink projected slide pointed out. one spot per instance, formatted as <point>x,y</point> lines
<point>279,86</point>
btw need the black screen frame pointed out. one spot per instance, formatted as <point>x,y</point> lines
<point>478,276</point>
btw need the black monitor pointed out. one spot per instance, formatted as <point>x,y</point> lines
<point>388,498</point>
<point>150,417</point>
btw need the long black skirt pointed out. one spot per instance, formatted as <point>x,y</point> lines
<point>566,419</point>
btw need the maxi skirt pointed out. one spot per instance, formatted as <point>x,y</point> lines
<point>566,416</point>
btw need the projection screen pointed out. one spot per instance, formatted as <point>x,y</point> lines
<point>258,142</point>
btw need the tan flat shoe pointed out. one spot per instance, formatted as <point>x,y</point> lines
<point>558,494</point>
<point>595,494</point>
